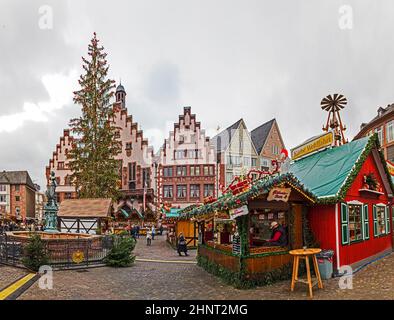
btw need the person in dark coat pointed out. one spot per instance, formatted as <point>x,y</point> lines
<point>278,236</point>
<point>182,246</point>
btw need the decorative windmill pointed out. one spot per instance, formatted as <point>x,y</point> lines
<point>334,104</point>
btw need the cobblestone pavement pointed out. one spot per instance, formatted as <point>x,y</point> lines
<point>152,280</point>
<point>9,275</point>
<point>160,249</point>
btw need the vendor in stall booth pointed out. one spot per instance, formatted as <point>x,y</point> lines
<point>278,236</point>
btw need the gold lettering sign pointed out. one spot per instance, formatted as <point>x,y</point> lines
<point>321,142</point>
<point>279,194</point>
<point>390,166</point>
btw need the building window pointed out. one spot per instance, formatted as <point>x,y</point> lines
<point>195,170</point>
<point>181,191</point>
<point>195,191</point>
<point>265,164</point>
<point>180,154</point>
<point>3,198</point>
<point>379,131</point>
<point>3,188</point>
<point>254,162</point>
<point>247,161</point>
<point>167,192</point>
<point>132,171</point>
<point>17,188</point>
<point>60,165</point>
<point>380,219</point>
<point>275,149</point>
<point>181,171</point>
<point>146,177</point>
<point>129,145</point>
<point>234,161</point>
<point>229,178</point>
<point>167,171</point>
<point>17,211</point>
<point>117,134</point>
<point>390,131</point>
<point>390,153</point>
<point>208,190</point>
<point>208,171</point>
<point>17,198</point>
<point>181,139</point>
<point>355,222</point>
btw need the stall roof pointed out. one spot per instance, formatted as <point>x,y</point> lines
<point>324,177</point>
<point>329,173</point>
<point>229,201</point>
<point>85,208</point>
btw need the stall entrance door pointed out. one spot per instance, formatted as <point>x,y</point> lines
<point>296,210</point>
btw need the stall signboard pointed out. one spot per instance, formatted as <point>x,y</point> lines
<point>314,144</point>
<point>241,211</point>
<point>279,194</point>
<point>390,167</point>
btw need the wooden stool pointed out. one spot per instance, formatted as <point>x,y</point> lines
<point>304,254</point>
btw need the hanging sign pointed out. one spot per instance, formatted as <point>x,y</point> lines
<point>279,194</point>
<point>241,211</point>
<point>312,145</point>
<point>237,245</point>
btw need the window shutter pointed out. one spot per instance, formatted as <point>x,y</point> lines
<point>388,229</point>
<point>366,222</point>
<point>344,223</point>
<point>375,222</point>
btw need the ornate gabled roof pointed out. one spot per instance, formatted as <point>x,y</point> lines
<point>260,134</point>
<point>222,140</point>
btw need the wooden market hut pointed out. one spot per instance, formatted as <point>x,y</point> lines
<point>175,226</point>
<point>84,215</point>
<point>241,256</point>
<point>354,194</point>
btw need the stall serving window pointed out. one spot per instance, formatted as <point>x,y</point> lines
<point>381,220</point>
<point>260,223</point>
<point>355,223</point>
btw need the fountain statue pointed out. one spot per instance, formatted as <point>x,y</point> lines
<point>51,208</point>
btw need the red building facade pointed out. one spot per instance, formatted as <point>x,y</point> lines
<point>186,171</point>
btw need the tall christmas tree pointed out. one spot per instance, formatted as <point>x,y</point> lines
<point>92,158</point>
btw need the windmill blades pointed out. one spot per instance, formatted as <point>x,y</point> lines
<point>333,103</point>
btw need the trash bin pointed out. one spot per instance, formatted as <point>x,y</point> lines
<point>324,261</point>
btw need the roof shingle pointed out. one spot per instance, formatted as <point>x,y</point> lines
<point>85,208</point>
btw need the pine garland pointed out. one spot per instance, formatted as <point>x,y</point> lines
<point>92,158</point>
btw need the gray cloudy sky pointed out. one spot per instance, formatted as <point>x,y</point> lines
<point>226,59</point>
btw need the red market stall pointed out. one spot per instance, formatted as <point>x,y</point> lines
<point>354,192</point>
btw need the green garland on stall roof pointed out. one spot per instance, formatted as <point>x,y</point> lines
<point>228,202</point>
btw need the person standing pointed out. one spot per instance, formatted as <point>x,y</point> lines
<point>182,246</point>
<point>153,232</point>
<point>148,237</point>
<point>137,231</point>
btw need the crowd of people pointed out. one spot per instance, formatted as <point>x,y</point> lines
<point>14,226</point>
